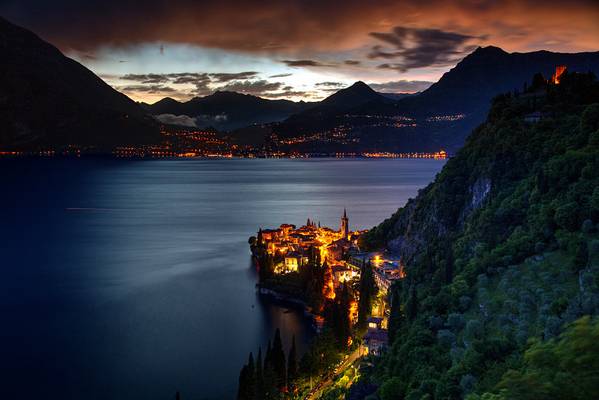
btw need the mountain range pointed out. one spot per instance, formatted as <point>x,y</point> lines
<point>225,110</point>
<point>441,116</point>
<point>47,99</point>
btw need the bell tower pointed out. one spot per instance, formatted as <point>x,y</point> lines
<point>345,225</point>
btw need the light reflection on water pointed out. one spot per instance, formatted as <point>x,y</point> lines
<point>132,279</point>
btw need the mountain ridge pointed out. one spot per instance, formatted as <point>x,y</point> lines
<point>228,110</point>
<point>49,99</point>
<point>445,113</point>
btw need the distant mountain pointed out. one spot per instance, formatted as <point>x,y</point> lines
<point>397,96</point>
<point>47,99</point>
<point>331,113</point>
<point>357,118</point>
<point>448,110</point>
<point>347,99</point>
<point>228,110</point>
<point>488,71</point>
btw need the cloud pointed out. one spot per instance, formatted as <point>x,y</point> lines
<point>421,47</point>
<point>330,84</point>
<point>191,122</point>
<point>181,120</point>
<point>203,83</point>
<point>289,93</point>
<point>146,78</point>
<point>285,29</point>
<point>401,86</point>
<point>154,89</point>
<point>226,77</point>
<point>280,75</point>
<point>352,62</point>
<point>256,88</point>
<point>305,63</point>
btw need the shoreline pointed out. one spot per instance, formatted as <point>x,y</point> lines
<point>285,299</point>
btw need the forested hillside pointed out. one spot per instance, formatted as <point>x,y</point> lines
<point>502,257</point>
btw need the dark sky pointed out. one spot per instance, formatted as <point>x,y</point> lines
<point>292,48</point>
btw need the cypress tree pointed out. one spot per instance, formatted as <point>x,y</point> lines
<point>396,317</point>
<point>251,378</point>
<point>581,257</point>
<point>243,388</point>
<point>260,238</point>
<point>344,317</point>
<point>292,363</point>
<point>368,290</point>
<point>278,360</point>
<point>259,376</point>
<point>412,305</point>
<point>449,266</point>
<point>337,317</point>
<point>267,356</point>
<point>269,375</point>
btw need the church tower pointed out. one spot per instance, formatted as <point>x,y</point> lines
<point>345,225</point>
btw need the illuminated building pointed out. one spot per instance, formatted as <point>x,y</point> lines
<point>291,248</point>
<point>344,225</point>
<point>559,71</point>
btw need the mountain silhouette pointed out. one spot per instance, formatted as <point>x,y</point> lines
<point>48,99</point>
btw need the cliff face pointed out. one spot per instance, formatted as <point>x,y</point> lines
<point>424,220</point>
<point>501,248</point>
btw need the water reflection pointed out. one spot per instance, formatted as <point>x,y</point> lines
<point>131,279</point>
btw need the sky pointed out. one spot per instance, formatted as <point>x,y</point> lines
<point>297,50</point>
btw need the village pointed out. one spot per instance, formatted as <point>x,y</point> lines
<point>340,252</point>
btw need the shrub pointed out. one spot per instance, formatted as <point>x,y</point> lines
<point>435,323</point>
<point>467,383</point>
<point>446,338</point>
<point>474,329</point>
<point>589,120</point>
<point>392,389</point>
<point>566,216</point>
<point>465,302</point>
<point>456,322</point>
<point>587,226</point>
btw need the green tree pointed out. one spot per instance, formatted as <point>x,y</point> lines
<point>396,317</point>
<point>581,257</point>
<point>563,368</point>
<point>412,304</point>
<point>278,360</point>
<point>292,366</point>
<point>392,389</point>
<point>368,291</point>
<point>247,381</point>
<point>259,376</point>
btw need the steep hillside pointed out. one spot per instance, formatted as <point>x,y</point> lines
<point>469,87</point>
<point>47,99</point>
<point>332,112</point>
<point>441,116</point>
<point>501,248</point>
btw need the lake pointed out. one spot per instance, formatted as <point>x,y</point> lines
<point>132,279</point>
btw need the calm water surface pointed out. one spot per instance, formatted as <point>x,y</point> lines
<point>132,279</point>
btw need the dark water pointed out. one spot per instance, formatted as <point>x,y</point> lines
<point>132,279</point>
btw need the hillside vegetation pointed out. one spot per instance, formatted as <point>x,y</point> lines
<point>502,259</point>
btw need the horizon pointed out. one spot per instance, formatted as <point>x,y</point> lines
<point>287,50</point>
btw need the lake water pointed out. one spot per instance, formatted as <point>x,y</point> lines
<point>132,279</point>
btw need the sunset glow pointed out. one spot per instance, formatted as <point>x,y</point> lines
<point>289,49</point>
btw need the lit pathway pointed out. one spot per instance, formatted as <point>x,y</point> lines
<point>329,379</point>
